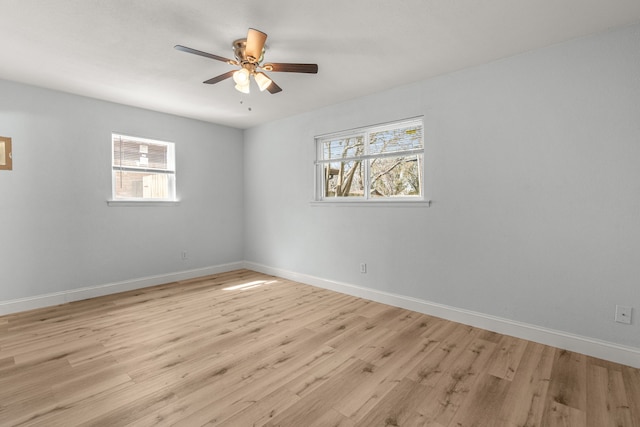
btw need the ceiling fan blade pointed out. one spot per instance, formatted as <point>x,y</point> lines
<point>255,44</point>
<point>220,78</point>
<point>274,88</point>
<point>205,54</point>
<point>291,68</point>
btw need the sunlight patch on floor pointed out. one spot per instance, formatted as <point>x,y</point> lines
<point>249,285</point>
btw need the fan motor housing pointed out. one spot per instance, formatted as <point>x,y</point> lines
<point>239,47</point>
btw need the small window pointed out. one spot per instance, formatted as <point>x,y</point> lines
<point>378,163</point>
<point>143,169</point>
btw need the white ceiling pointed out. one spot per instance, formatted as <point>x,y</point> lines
<point>122,50</point>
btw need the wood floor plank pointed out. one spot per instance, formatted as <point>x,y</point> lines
<point>243,348</point>
<point>16,379</point>
<point>262,411</point>
<point>631,378</point>
<point>451,339</point>
<point>453,387</point>
<point>397,407</point>
<point>22,412</point>
<point>313,406</point>
<point>525,403</point>
<point>7,362</point>
<point>483,402</point>
<point>607,403</point>
<point>567,394</point>
<point>331,418</point>
<point>507,357</point>
<point>559,415</point>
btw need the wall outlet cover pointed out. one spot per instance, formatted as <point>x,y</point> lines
<point>623,314</point>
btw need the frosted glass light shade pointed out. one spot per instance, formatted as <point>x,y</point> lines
<point>241,77</point>
<point>262,80</point>
<point>244,88</point>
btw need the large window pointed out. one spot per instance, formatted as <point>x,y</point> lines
<point>382,162</point>
<point>143,169</point>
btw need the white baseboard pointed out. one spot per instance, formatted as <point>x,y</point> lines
<point>592,347</point>
<point>47,300</point>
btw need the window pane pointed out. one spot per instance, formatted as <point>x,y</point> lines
<point>135,185</point>
<point>372,163</point>
<point>395,176</point>
<point>128,153</point>
<point>135,162</point>
<point>343,148</point>
<point>344,179</point>
<point>393,140</point>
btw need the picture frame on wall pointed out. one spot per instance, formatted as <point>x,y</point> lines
<point>6,162</point>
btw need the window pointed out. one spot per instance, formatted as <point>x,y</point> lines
<point>143,169</point>
<point>378,163</point>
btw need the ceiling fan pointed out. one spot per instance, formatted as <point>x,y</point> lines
<point>249,54</point>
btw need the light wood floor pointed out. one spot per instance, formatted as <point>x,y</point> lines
<point>245,349</point>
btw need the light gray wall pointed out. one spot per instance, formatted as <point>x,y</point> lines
<point>57,232</point>
<point>533,165</point>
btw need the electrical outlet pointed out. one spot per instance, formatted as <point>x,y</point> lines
<point>623,314</point>
<point>363,268</point>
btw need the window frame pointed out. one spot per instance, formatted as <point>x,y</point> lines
<point>170,171</point>
<point>319,179</point>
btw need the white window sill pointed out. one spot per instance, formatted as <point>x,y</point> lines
<point>139,203</point>
<point>374,203</point>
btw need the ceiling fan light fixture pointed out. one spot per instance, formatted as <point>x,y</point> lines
<point>241,77</point>
<point>262,80</point>
<point>249,53</point>
<point>244,88</point>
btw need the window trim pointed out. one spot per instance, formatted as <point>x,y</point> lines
<point>319,190</point>
<point>147,202</point>
<point>350,202</point>
<point>141,201</point>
